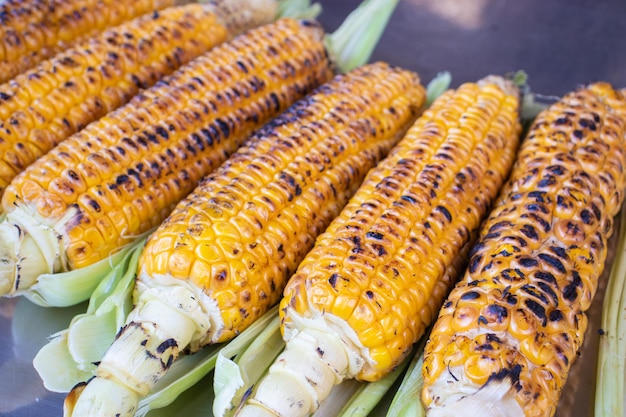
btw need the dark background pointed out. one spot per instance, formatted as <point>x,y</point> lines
<point>559,43</point>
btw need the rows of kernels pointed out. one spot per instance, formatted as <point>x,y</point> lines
<point>381,264</point>
<point>84,83</point>
<point>267,203</point>
<point>158,146</point>
<point>34,30</point>
<point>540,253</point>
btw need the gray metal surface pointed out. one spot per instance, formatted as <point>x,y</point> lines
<point>559,43</point>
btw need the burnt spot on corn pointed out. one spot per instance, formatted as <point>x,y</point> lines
<point>532,291</point>
<point>528,262</point>
<point>374,235</point>
<point>537,309</point>
<point>553,262</point>
<point>445,212</point>
<point>586,216</point>
<point>470,295</point>
<point>556,316</point>
<point>512,374</point>
<point>496,313</point>
<point>530,232</point>
<point>570,292</point>
<point>512,275</point>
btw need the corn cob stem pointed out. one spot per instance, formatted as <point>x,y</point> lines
<point>314,157</point>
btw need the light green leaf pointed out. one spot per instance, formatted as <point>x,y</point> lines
<point>406,401</point>
<point>352,44</point>
<point>298,9</point>
<point>437,86</point>
<point>88,336</point>
<point>609,396</point>
<point>227,382</point>
<point>73,287</point>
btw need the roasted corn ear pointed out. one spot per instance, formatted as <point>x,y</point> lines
<point>222,257</point>
<point>509,331</point>
<point>378,275</point>
<point>32,31</point>
<point>121,176</point>
<point>42,107</point>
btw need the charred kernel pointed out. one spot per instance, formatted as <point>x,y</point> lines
<point>545,276</point>
<point>538,310</point>
<point>529,231</point>
<point>408,199</point>
<point>528,262</point>
<point>596,211</point>
<point>470,295</point>
<point>531,290</point>
<point>500,225</point>
<point>556,169</point>
<point>512,275</point>
<point>537,207</point>
<point>474,263</point>
<point>537,195</point>
<point>375,235</point>
<point>497,312</point>
<point>547,182</point>
<point>555,315</point>
<point>333,280</point>
<point>586,216</point>
<point>553,262</point>
<point>445,212</point>
<point>559,251</point>
<point>569,292</point>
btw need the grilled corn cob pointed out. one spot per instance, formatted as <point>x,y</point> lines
<point>32,31</point>
<point>121,176</point>
<point>377,276</point>
<point>40,108</point>
<point>222,257</point>
<point>509,331</point>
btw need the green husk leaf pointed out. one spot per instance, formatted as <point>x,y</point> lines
<point>190,369</point>
<point>299,9</point>
<point>609,396</point>
<point>352,44</point>
<point>73,287</point>
<point>369,395</point>
<point>406,401</point>
<point>236,375</point>
<point>437,86</point>
<point>71,354</point>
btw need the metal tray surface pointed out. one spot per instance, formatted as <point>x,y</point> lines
<point>559,43</point>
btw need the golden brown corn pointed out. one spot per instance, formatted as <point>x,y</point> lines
<point>44,106</point>
<point>511,328</point>
<point>378,275</point>
<point>120,176</point>
<point>222,257</point>
<point>32,31</point>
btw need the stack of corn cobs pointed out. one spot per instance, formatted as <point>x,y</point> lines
<point>249,160</point>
